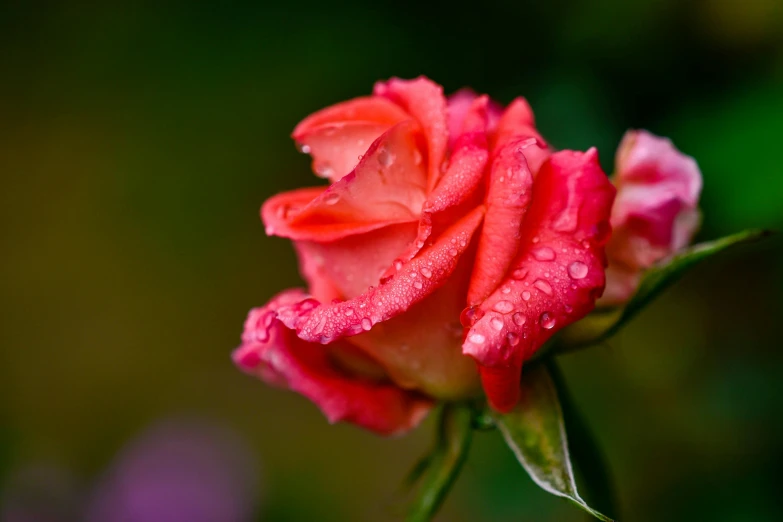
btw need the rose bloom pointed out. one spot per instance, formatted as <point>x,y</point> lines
<point>450,245</point>
<point>655,213</point>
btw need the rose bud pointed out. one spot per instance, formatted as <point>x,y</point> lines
<point>451,243</point>
<point>655,213</point>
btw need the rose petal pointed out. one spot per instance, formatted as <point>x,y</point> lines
<point>386,187</point>
<point>420,277</point>
<point>518,122</point>
<point>556,277</point>
<point>507,200</point>
<point>336,136</point>
<point>273,353</point>
<point>354,263</point>
<point>458,105</point>
<point>424,100</point>
<point>658,191</point>
<point>462,177</point>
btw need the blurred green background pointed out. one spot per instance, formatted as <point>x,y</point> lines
<point>137,143</point>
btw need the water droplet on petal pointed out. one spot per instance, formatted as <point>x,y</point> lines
<point>526,295</point>
<point>470,315</point>
<point>503,307</point>
<point>416,157</point>
<point>512,338</point>
<point>543,286</point>
<point>426,272</point>
<point>519,319</point>
<point>496,323</point>
<point>398,264</point>
<point>324,170</point>
<point>547,321</point>
<point>385,158</point>
<point>506,290</point>
<point>536,239</point>
<point>366,323</point>
<point>577,270</point>
<point>476,338</point>
<point>303,148</point>
<point>332,198</point>
<point>519,273</point>
<point>417,285</point>
<point>349,312</point>
<point>453,252</point>
<point>544,254</point>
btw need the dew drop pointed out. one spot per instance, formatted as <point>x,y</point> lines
<point>470,315</point>
<point>536,239</point>
<point>476,338</point>
<point>416,157</point>
<point>349,312</point>
<point>519,273</point>
<point>526,295</point>
<point>519,319</point>
<point>453,252</point>
<point>303,148</point>
<point>544,254</point>
<point>577,270</point>
<point>332,198</point>
<point>385,158</point>
<point>426,272</point>
<point>512,338</point>
<point>417,285</point>
<point>547,321</point>
<point>506,290</point>
<point>503,307</point>
<point>496,323</point>
<point>366,323</point>
<point>324,170</point>
<point>543,286</point>
<point>398,264</point>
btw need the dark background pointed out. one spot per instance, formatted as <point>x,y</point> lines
<point>137,143</point>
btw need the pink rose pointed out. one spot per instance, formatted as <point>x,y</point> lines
<point>655,213</point>
<point>450,245</point>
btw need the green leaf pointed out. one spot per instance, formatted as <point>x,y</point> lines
<point>586,454</point>
<point>535,432</point>
<point>602,324</point>
<point>440,468</point>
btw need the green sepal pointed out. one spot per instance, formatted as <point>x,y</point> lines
<point>535,432</point>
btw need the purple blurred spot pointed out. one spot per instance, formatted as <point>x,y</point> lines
<point>179,471</point>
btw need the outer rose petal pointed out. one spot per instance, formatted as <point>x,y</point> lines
<point>336,136</point>
<point>655,213</point>
<point>518,122</point>
<point>274,354</point>
<point>386,187</point>
<point>556,277</point>
<point>422,99</point>
<point>507,200</point>
<point>423,275</point>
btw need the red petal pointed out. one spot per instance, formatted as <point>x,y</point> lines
<point>556,277</point>
<point>462,178</point>
<point>354,263</point>
<point>423,100</point>
<point>459,104</point>
<point>387,187</point>
<point>338,135</point>
<point>420,277</point>
<point>274,354</point>
<point>507,200</point>
<point>518,122</point>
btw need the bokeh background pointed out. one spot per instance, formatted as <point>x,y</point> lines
<point>137,143</point>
